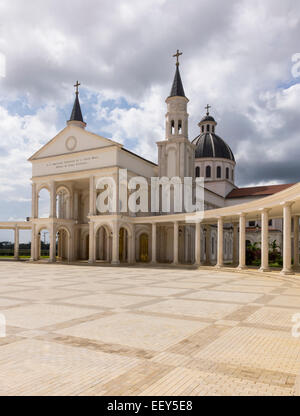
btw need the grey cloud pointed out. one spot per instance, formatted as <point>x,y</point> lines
<point>234,52</point>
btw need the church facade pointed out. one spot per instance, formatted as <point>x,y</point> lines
<point>71,164</point>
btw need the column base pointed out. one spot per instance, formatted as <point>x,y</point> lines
<point>287,272</point>
<point>175,263</point>
<point>198,264</point>
<point>115,262</point>
<point>241,268</point>
<point>52,261</point>
<point>91,262</point>
<point>264,269</point>
<point>16,258</point>
<point>219,266</point>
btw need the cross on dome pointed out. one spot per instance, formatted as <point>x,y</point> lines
<point>207,109</point>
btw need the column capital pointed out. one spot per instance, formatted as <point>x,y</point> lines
<point>287,203</point>
<point>262,210</point>
<point>242,214</point>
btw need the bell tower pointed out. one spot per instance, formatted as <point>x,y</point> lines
<point>176,155</point>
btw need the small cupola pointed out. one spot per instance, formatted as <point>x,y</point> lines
<point>208,123</point>
<point>76,118</point>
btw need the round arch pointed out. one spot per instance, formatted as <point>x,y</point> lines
<point>63,243</point>
<point>103,242</point>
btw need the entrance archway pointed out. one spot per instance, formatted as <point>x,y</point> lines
<point>63,245</point>
<point>103,244</point>
<point>123,245</point>
<point>144,248</point>
<point>43,244</point>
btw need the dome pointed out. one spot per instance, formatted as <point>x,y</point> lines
<point>208,118</point>
<point>212,146</point>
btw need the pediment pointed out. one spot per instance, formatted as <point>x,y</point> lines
<point>72,139</point>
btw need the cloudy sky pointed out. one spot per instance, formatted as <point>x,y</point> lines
<point>237,56</point>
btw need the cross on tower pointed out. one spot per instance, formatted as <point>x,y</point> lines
<point>176,55</point>
<point>76,86</point>
<point>207,109</point>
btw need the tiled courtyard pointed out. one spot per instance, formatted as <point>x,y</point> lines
<point>81,330</point>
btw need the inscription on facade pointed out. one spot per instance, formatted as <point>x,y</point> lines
<point>72,164</point>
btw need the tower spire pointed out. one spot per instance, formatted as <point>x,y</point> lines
<point>76,115</point>
<point>177,87</point>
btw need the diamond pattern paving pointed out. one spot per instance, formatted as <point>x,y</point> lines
<point>81,330</point>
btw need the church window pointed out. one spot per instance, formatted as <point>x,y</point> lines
<point>227,173</point>
<point>179,127</point>
<point>202,129</point>
<point>213,129</point>
<point>218,171</point>
<point>197,172</point>
<point>207,127</point>
<point>172,127</point>
<point>270,223</point>
<point>232,174</point>
<point>208,171</point>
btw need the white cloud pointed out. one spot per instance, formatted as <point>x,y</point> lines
<point>237,57</point>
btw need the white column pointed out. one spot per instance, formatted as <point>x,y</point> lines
<point>131,254</point>
<point>296,241</point>
<point>52,200</point>
<point>34,202</point>
<point>287,257</point>
<point>235,244</point>
<point>16,244</point>
<point>207,244</point>
<point>153,243</point>
<point>33,243</point>
<point>220,257</point>
<point>175,247</point>
<point>264,241</point>
<point>52,254</point>
<point>198,244</point>
<point>92,243</point>
<point>76,206</point>
<point>115,244</point>
<point>92,206</point>
<point>242,242</point>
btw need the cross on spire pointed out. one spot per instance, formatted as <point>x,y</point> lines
<point>76,86</point>
<point>176,55</point>
<point>207,109</point>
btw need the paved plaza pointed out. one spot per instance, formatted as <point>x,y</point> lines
<point>83,330</point>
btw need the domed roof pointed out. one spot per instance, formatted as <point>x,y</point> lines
<point>211,145</point>
<point>207,118</point>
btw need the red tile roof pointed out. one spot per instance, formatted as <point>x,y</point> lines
<point>258,190</point>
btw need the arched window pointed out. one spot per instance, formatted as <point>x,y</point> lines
<point>208,171</point>
<point>207,127</point>
<point>197,172</point>
<point>172,127</point>
<point>213,129</point>
<point>232,174</point>
<point>227,173</point>
<point>202,128</point>
<point>179,127</point>
<point>218,171</point>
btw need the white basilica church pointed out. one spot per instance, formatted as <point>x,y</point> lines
<point>71,163</point>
